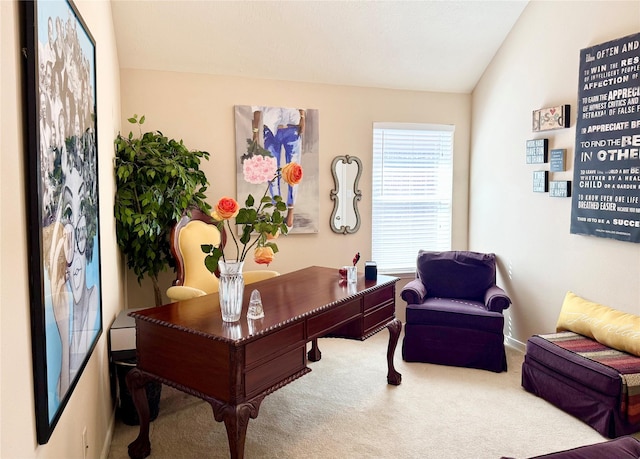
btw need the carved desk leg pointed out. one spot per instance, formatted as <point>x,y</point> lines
<point>395,327</point>
<point>236,420</point>
<point>314,353</point>
<point>136,380</point>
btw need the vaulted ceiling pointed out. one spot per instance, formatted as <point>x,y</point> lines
<point>428,45</point>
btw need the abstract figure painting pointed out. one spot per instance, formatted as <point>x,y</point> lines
<point>62,174</point>
<point>287,135</point>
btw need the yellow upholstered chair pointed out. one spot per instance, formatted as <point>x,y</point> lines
<point>192,276</point>
<point>258,275</point>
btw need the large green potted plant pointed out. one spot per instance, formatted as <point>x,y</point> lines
<point>157,179</point>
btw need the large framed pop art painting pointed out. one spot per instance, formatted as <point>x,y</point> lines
<point>62,202</point>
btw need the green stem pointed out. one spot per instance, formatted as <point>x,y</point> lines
<point>235,242</point>
<point>246,247</point>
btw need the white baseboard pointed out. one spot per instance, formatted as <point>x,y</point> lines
<point>109,436</point>
<point>515,344</point>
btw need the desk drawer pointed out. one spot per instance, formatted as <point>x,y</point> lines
<point>274,371</point>
<point>379,317</point>
<point>325,322</point>
<point>276,342</point>
<point>378,297</point>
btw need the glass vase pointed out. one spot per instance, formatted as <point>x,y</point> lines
<point>231,289</point>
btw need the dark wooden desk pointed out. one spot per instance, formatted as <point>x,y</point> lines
<point>234,366</point>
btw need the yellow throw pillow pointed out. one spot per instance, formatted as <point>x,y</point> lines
<point>616,329</point>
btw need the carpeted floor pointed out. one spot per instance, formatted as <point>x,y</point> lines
<point>345,409</point>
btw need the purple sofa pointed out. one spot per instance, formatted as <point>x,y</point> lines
<point>579,386</point>
<point>620,448</point>
<point>454,311</point>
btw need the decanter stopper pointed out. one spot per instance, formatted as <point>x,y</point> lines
<point>255,310</point>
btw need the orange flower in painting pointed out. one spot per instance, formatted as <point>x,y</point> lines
<point>292,173</point>
<point>263,255</point>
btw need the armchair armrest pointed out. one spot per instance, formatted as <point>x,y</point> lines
<point>414,292</point>
<point>496,300</point>
<point>182,292</point>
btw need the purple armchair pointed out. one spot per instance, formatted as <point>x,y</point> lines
<point>454,311</point>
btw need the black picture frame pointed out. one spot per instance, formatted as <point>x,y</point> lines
<point>62,201</point>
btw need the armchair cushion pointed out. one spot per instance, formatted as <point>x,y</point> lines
<point>457,274</point>
<point>183,292</point>
<point>458,314</point>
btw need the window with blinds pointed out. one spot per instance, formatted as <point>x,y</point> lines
<point>412,193</point>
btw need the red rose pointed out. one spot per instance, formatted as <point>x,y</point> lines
<point>227,208</point>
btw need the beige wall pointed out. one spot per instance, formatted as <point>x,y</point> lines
<point>91,404</point>
<point>540,261</point>
<point>199,110</point>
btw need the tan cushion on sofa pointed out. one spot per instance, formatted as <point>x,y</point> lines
<point>616,329</point>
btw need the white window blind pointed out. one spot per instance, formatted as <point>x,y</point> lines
<point>411,197</point>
